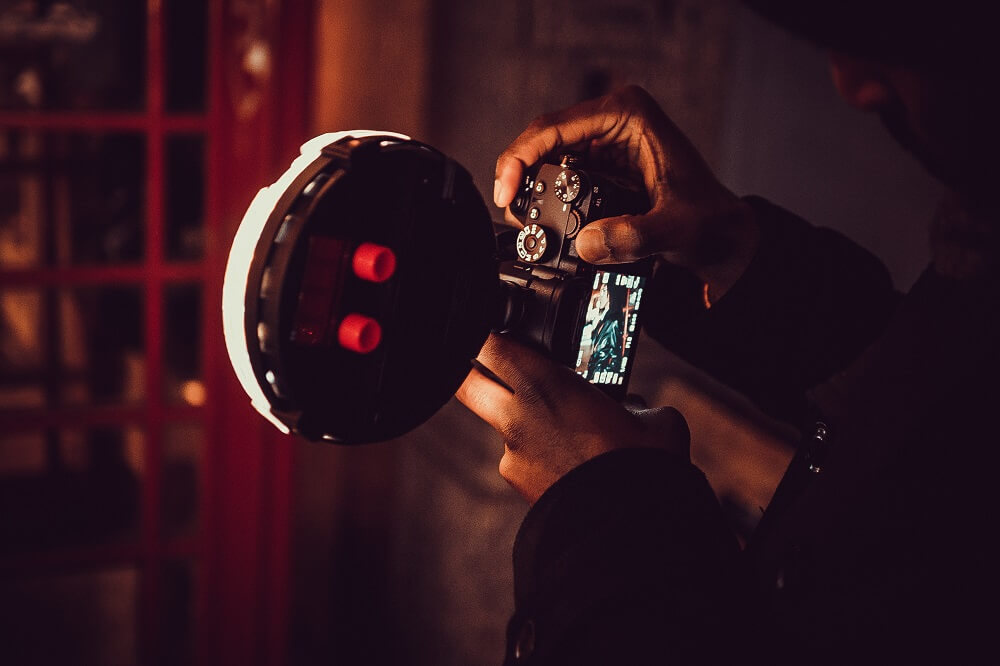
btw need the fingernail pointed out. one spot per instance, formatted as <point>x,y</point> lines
<point>497,191</point>
<point>592,245</point>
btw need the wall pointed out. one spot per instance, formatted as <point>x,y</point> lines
<point>786,135</point>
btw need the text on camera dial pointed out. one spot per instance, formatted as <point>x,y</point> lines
<point>531,243</point>
<point>567,186</point>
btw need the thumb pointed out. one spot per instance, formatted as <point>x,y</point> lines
<point>616,240</point>
<point>666,428</point>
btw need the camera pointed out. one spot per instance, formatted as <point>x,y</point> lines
<point>582,315</point>
<point>362,284</point>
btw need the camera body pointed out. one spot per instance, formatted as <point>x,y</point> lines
<point>556,201</point>
<point>555,298</point>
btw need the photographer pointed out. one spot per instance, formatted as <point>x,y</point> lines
<point>878,544</point>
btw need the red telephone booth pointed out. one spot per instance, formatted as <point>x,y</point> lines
<point>144,509</point>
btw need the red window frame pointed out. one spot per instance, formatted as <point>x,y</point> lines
<point>242,544</point>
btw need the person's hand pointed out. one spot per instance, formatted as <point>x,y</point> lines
<point>554,420</point>
<point>694,221</point>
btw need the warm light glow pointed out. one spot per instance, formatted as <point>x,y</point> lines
<point>193,392</point>
<point>241,258</point>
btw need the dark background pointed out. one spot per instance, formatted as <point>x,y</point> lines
<point>147,515</point>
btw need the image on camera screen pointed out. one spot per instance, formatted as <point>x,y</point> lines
<point>610,327</point>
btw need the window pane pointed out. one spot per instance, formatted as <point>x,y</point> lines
<point>63,347</point>
<point>82,618</point>
<point>71,487</point>
<point>182,375</point>
<point>72,55</point>
<point>183,444</point>
<point>71,198</point>
<point>187,35</point>
<point>185,197</point>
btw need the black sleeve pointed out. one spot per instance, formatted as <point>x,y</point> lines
<point>625,560</point>
<point>809,303</point>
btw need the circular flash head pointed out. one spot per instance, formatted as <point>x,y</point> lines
<point>341,320</point>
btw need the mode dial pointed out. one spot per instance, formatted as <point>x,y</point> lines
<point>531,243</point>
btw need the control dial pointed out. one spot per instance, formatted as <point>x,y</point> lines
<point>531,243</point>
<point>567,186</point>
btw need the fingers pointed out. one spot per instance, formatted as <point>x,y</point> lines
<point>487,399</point>
<point>523,369</point>
<point>627,123</point>
<point>627,238</point>
<point>609,241</point>
<point>586,121</point>
<point>552,421</point>
<point>509,172</point>
<point>527,375</point>
<point>629,133</point>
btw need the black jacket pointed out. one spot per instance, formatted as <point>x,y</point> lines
<point>878,545</point>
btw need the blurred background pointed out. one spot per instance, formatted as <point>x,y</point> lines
<point>147,515</point>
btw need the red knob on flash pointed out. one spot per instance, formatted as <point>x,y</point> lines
<point>375,263</point>
<point>359,333</point>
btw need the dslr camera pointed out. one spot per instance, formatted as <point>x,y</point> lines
<point>581,315</point>
<point>362,284</point>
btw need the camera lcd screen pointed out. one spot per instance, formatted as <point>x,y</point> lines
<point>610,328</point>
